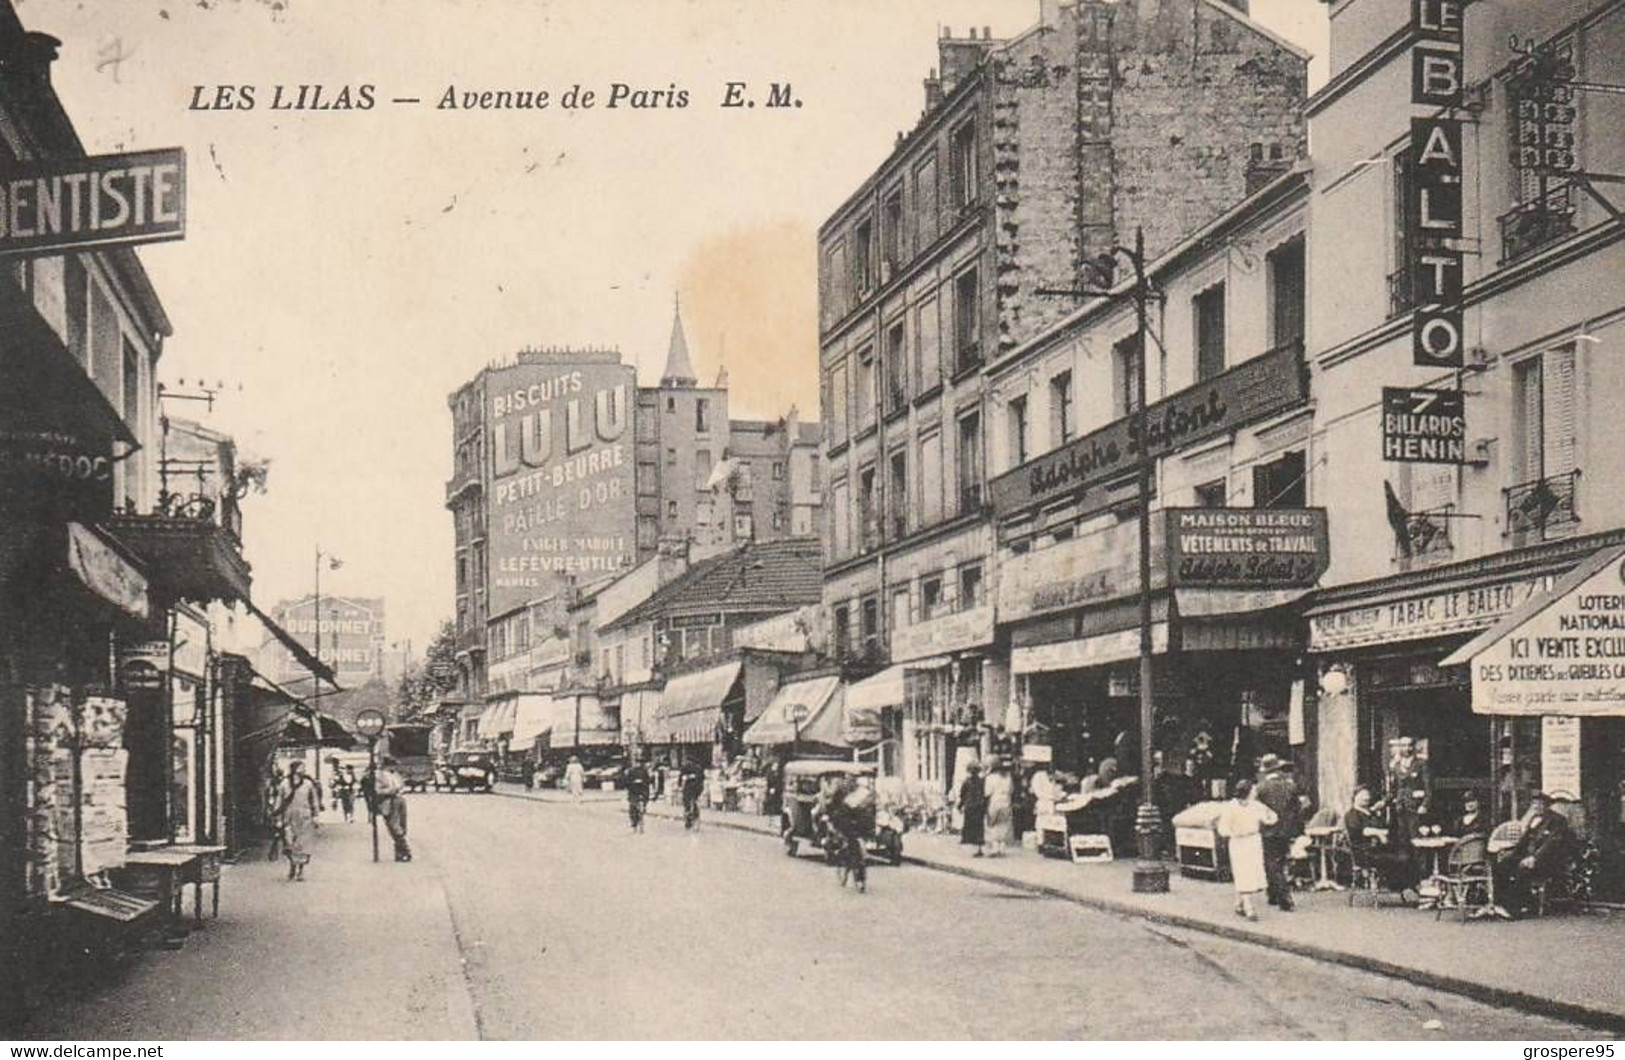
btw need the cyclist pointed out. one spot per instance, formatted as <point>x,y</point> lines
<point>691,781</point>
<point>637,794</point>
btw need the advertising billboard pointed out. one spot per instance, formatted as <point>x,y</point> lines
<point>352,636</point>
<point>561,497</point>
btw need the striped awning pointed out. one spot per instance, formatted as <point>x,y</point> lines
<point>800,711</point>
<point>691,705</point>
<point>533,715</point>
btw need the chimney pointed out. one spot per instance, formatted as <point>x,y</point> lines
<point>958,58</point>
<point>933,91</point>
<point>29,55</point>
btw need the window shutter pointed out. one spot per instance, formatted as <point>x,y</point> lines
<point>1529,420</point>
<point>1558,433</point>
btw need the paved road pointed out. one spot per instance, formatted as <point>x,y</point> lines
<point>573,927</point>
<point>524,919</point>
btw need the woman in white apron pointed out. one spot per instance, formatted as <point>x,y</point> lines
<point>1240,822</point>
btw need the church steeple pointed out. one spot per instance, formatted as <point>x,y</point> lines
<point>679,370</point>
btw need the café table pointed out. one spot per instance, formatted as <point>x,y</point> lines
<point>204,870</point>
<point>1323,837</point>
<point>1437,846</point>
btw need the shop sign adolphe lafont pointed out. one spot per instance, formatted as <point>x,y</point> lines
<point>1247,548</point>
<point>561,476</point>
<point>1250,391</point>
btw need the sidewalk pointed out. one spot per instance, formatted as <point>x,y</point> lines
<point>295,960</point>
<point>1564,966</point>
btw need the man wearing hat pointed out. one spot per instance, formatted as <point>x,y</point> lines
<point>1542,852</point>
<point>1277,790</point>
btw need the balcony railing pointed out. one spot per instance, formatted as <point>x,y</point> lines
<point>1400,298</point>
<point>1543,506</point>
<point>1531,225</point>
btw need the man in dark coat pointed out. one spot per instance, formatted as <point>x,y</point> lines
<point>1542,852</point>
<point>1279,792</point>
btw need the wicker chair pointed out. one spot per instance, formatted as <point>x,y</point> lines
<point>1467,883</point>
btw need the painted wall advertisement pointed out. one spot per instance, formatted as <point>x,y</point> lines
<point>352,635</point>
<point>562,504</point>
<point>1562,655</point>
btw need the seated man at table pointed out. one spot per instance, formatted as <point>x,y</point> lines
<point>1394,866</point>
<point>1542,852</point>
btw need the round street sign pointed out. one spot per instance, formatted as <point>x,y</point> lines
<point>799,713</point>
<point>370,722</point>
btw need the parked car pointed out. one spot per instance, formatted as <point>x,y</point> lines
<point>467,771</point>
<point>808,783</point>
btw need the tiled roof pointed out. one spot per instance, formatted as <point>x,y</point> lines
<point>760,576</point>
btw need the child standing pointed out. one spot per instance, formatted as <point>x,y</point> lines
<point>1240,823</point>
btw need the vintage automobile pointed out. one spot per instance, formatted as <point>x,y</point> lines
<point>466,771</point>
<point>808,784</point>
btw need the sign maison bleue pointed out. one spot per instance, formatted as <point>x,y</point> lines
<point>1424,426</point>
<point>1434,209</point>
<point>56,205</point>
<point>1247,548</point>
<point>1252,390</point>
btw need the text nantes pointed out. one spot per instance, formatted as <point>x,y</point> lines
<point>542,434</point>
<point>1161,429</point>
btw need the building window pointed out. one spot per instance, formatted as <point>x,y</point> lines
<point>931,479</point>
<point>925,203</point>
<point>778,471</point>
<point>896,360</point>
<point>842,624</point>
<point>743,482</point>
<point>892,220</point>
<point>837,404</point>
<point>835,282</point>
<point>1061,420</point>
<point>814,475</point>
<point>963,171</point>
<point>970,586</point>
<point>1016,415</point>
<point>1281,483</point>
<point>1126,373</point>
<point>778,520</point>
<point>897,494</point>
<point>671,404</point>
<point>76,292</point>
<point>868,507</point>
<point>744,528</point>
<point>1211,494</point>
<point>1286,284</point>
<point>869,608</point>
<point>970,462</point>
<point>1546,412</point>
<point>841,520</point>
<point>1207,309</point>
<point>702,469</point>
<point>1400,296</point>
<point>900,616</point>
<point>931,602</point>
<point>671,509</point>
<point>927,348</point>
<point>863,258</point>
<point>702,415</point>
<point>671,457</point>
<point>863,399</point>
<point>967,321</point>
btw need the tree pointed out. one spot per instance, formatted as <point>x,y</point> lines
<point>422,689</point>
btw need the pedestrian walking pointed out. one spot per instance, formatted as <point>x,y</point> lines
<point>575,778</point>
<point>973,810</point>
<point>344,789</point>
<point>1277,790</point>
<point>996,788</point>
<point>271,797</point>
<point>389,790</point>
<point>1241,823</point>
<point>297,808</point>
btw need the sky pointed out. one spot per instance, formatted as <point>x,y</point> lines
<point>343,271</point>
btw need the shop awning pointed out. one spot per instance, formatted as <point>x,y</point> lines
<point>1201,603</point>
<point>820,722</point>
<point>533,715</point>
<point>1561,652</point>
<point>1086,651</point>
<point>306,727</point>
<point>640,708</point>
<point>691,705</point>
<point>499,717</point>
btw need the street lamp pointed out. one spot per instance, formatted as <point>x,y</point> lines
<point>1150,874</point>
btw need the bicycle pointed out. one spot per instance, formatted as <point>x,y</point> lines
<point>636,809</point>
<point>691,813</point>
<point>851,862</point>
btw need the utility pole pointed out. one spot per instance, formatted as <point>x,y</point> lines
<point>1150,874</point>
